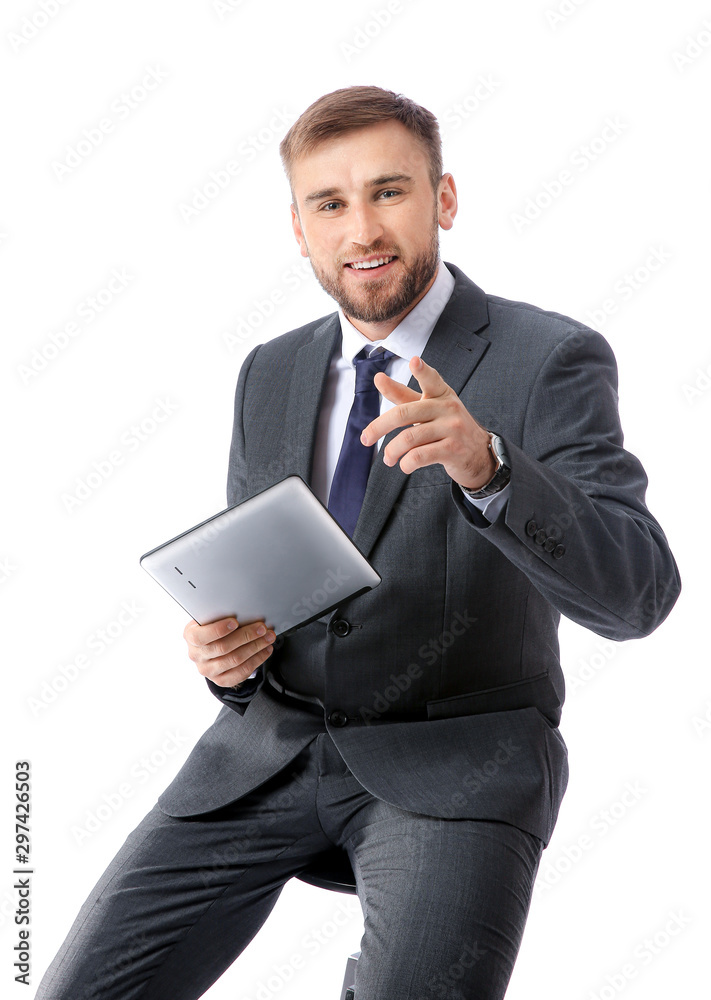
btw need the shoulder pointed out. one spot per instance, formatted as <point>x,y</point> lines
<point>542,331</point>
<point>525,331</point>
<point>270,366</point>
<point>286,344</point>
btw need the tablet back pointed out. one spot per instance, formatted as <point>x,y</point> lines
<point>279,557</point>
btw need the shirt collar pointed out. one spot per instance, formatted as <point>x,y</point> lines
<point>410,336</point>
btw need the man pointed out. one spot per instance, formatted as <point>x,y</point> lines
<point>415,728</point>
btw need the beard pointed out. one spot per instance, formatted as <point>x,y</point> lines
<point>384,299</point>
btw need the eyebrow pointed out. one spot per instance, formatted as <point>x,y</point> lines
<point>376,182</point>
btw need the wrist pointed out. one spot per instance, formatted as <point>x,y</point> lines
<point>500,476</point>
<point>487,472</point>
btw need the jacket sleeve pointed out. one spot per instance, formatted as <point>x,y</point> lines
<point>237,468</point>
<point>576,522</point>
<point>238,697</point>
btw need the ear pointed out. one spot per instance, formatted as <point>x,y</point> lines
<point>298,231</point>
<point>446,201</point>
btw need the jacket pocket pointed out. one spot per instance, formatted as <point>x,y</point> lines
<point>527,693</point>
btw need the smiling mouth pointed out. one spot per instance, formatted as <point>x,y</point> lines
<point>371,265</point>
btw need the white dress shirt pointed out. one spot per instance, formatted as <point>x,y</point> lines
<point>407,340</point>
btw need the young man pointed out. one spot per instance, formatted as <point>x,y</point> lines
<point>480,467</point>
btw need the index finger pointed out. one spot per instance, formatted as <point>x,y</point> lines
<point>202,635</point>
<point>405,415</point>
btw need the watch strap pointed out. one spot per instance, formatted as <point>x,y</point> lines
<point>501,476</point>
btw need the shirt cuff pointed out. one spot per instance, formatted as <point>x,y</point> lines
<point>491,506</point>
<point>248,687</point>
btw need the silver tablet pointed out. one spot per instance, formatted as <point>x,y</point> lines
<point>279,556</point>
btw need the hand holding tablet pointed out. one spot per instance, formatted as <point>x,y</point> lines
<point>228,653</point>
<point>278,557</point>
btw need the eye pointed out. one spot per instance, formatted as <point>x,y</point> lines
<point>330,206</point>
<point>389,193</point>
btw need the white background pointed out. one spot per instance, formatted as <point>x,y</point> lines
<point>533,90</point>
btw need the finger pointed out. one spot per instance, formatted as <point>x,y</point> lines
<point>412,439</point>
<point>235,675</point>
<point>421,456</point>
<point>393,390</point>
<point>430,380</point>
<point>200,635</point>
<point>240,643</point>
<point>223,655</point>
<point>416,411</point>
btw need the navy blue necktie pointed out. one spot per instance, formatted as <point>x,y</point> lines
<point>351,476</point>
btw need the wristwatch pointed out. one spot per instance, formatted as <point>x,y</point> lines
<point>500,477</point>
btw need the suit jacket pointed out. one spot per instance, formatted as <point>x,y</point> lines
<point>444,688</point>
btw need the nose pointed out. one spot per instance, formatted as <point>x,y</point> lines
<point>365,227</point>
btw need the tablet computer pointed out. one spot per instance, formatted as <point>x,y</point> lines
<point>278,557</point>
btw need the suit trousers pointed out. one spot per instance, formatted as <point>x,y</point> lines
<point>444,901</point>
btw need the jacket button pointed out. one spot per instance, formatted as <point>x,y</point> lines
<point>338,718</point>
<point>540,536</point>
<point>549,544</point>
<point>341,627</point>
<point>558,551</point>
<point>531,528</point>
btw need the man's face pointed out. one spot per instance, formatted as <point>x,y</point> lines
<point>368,217</point>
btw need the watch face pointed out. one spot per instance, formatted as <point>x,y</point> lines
<point>497,446</point>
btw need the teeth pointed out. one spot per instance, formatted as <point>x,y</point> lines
<point>360,265</point>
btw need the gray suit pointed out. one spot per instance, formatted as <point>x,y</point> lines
<point>444,694</point>
<point>441,689</point>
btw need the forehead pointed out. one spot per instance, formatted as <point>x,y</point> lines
<point>352,160</point>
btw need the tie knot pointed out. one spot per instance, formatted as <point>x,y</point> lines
<point>368,367</point>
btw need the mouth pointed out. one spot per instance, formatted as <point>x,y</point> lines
<point>371,265</point>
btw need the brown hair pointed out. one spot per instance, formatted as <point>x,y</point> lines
<point>355,107</point>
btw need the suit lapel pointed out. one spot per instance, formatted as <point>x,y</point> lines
<point>308,380</point>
